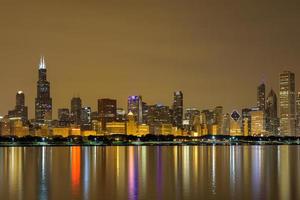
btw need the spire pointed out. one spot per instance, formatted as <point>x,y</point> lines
<point>42,63</point>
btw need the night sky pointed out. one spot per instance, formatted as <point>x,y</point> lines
<point>216,52</point>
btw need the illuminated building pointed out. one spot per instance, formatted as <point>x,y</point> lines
<point>17,128</point>
<point>76,106</point>
<point>226,124</point>
<point>272,121</point>
<point>107,110</point>
<point>189,117</point>
<point>135,106</point>
<point>166,129</point>
<point>96,126</point>
<point>121,116</point>
<point>145,111</point>
<point>131,125</point>
<point>178,109</point>
<point>5,126</point>
<point>298,113</point>
<point>20,110</point>
<point>215,129</point>
<point>116,128</point>
<point>88,133</point>
<point>75,132</point>
<point>61,132</point>
<point>261,96</point>
<point>158,114</point>
<point>287,104</point>
<point>86,122</point>
<point>245,127</point>
<point>143,129</point>
<point>235,128</point>
<point>246,121</point>
<point>218,119</point>
<point>43,101</point>
<point>63,117</point>
<point>257,122</point>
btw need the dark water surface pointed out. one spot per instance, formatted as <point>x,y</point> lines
<point>145,172</point>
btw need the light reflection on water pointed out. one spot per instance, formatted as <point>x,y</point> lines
<point>141,172</point>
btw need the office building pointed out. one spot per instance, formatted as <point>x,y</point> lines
<point>178,109</point>
<point>261,96</point>
<point>272,120</point>
<point>135,106</point>
<point>287,104</point>
<point>107,110</point>
<point>76,106</point>
<point>43,101</point>
<point>63,117</point>
<point>86,122</point>
<point>20,111</point>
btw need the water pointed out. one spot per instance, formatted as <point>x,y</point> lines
<point>146,172</point>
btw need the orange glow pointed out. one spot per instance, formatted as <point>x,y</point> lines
<point>75,161</point>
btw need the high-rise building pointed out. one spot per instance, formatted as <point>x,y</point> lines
<point>135,105</point>
<point>257,122</point>
<point>121,115</point>
<point>43,101</point>
<point>287,104</point>
<point>144,112</point>
<point>178,109</point>
<point>226,124</point>
<point>298,113</point>
<point>76,106</point>
<point>20,111</point>
<point>189,117</point>
<point>157,115</point>
<point>261,96</point>
<point>63,117</point>
<point>107,110</point>
<point>246,121</point>
<point>86,122</point>
<point>272,121</point>
<point>218,119</point>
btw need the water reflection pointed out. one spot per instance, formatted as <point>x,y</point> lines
<point>180,172</point>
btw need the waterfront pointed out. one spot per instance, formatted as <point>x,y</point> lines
<point>150,172</point>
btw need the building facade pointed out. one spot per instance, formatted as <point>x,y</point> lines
<point>178,109</point>
<point>287,104</point>
<point>43,101</point>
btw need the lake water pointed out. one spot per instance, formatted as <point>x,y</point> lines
<point>150,172</point>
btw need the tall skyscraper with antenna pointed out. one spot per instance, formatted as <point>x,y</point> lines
<point>43,101</point>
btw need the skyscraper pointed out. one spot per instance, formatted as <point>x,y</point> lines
<point>261,96</point>
<point>178,109</point>
<point>246,121</point>
<point>76,105</point>
<point>63,117</point>
<point>272,121</point>
<point>257,122</point>
<point>20,111</point>
<point>43,101</point>
<point>107,110</point>
<point>287,104</point>
<point>86,122</point>
<point>135,105</point>
<point>218,118</point>
<point>157,115</point>
<point>298,114</point>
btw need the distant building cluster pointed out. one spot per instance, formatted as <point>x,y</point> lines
<point>140,118</point>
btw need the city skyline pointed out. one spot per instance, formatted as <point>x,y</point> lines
<point>261,95</point>
<point>92,49</point>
